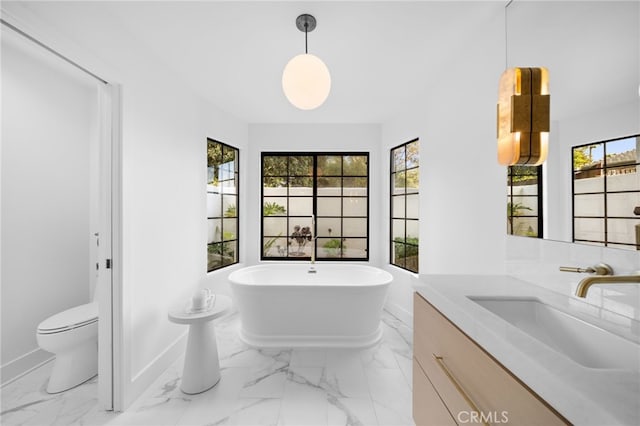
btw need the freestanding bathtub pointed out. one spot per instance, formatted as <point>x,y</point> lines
<point>282,305</point>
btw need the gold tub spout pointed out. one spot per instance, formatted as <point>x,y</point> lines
<point>584,285</point>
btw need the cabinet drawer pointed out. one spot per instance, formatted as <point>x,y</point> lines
<point>428,408</point>
<point>467,378</point>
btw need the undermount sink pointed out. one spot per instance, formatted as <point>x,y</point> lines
<point>580,341</point>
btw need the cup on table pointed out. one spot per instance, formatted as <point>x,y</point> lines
<point>201,300</point>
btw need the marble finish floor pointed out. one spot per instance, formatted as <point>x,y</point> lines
<point>280,387</point>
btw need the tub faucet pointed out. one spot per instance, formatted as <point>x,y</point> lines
<point>584,285</point>
<point>312,268</point>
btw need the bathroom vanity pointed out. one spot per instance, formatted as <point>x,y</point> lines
<point>480,384</point>
<point>478,360</point>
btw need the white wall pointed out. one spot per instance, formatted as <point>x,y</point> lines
<point>48,116</point>
<point>165,231</point>
<point>462,187</point>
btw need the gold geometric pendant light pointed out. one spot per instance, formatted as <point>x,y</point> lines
<point>523,116</point>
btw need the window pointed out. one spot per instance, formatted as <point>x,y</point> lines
<point>222,205</point>
<point>405,203</point>
<point>606,193</point>
<point>331,186</point>
<point>524,201</point>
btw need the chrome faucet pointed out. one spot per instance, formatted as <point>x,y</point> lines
<point>586,283</point>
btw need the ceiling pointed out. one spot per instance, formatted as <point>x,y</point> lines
<point>382,56</point>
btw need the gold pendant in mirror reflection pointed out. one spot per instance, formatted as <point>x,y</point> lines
<point>523,116</point>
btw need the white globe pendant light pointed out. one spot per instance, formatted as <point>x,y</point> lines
<point>306,81</point>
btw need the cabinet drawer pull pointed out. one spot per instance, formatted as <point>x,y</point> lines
<point>456,384</point>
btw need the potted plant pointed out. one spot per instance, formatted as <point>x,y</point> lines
<point>334,247</point>
<point>301,235</point>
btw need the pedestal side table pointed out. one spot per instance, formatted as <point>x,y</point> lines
<point>201,369</point>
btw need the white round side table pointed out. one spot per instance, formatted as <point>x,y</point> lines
<point>201,369</point>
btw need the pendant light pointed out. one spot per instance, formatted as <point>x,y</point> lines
<point>523,112</point>
<point>306,81</point>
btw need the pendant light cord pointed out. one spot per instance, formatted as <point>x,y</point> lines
<point>306,27</point>
<point>506,36</point>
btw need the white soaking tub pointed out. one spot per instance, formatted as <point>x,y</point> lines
<point>283,305</point>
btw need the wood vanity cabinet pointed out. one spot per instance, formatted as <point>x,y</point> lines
<point>456,382</point>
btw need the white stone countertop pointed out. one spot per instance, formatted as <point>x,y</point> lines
<point>585,396</point>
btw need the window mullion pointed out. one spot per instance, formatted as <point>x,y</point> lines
<point>314,205</point>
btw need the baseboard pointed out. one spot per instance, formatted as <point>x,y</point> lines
<point>13,370</point>
<point>147,375</point>
<point>400,313</point>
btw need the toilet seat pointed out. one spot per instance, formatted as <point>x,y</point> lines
<point>78,316</point>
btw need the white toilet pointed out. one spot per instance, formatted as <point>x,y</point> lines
<point>72,335</point>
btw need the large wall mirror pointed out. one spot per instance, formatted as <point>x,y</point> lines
<point>592,52</point>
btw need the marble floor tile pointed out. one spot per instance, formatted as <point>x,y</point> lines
<point>390,416</point>
<point>158,414</point>
<point>351,412</point>
<point>307,411</point>
<point>304,401</point>
<point>27,389</point>
<point>346,380</point>
<point>217,403</point>
<point>268,372</point>
<point>391,396</point>
<point>289,386</point>
<point>308,357</point>
<point>304,383</point>
<point>397,341</point>
<point>406,366</point>
<point>254,412</point>
<point>379,356</point>
<point>163,403</point>
<point>265,384</point>
<point>26,402</point>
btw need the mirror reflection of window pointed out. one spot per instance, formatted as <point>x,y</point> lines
<point>606,193</point>
<point>524,201</point>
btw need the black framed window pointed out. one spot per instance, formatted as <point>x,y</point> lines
<point>524,201</point>
<point>405,204</point>
<point>333,188</point>
<point>222,205</point>
<point>606,193</point>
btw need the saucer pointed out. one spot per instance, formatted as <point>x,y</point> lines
<point>191,310</point>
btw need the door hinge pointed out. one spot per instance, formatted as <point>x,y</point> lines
<point>108,265</point>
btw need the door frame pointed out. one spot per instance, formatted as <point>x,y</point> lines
<point>111,378</point>
<point>110,366</point>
